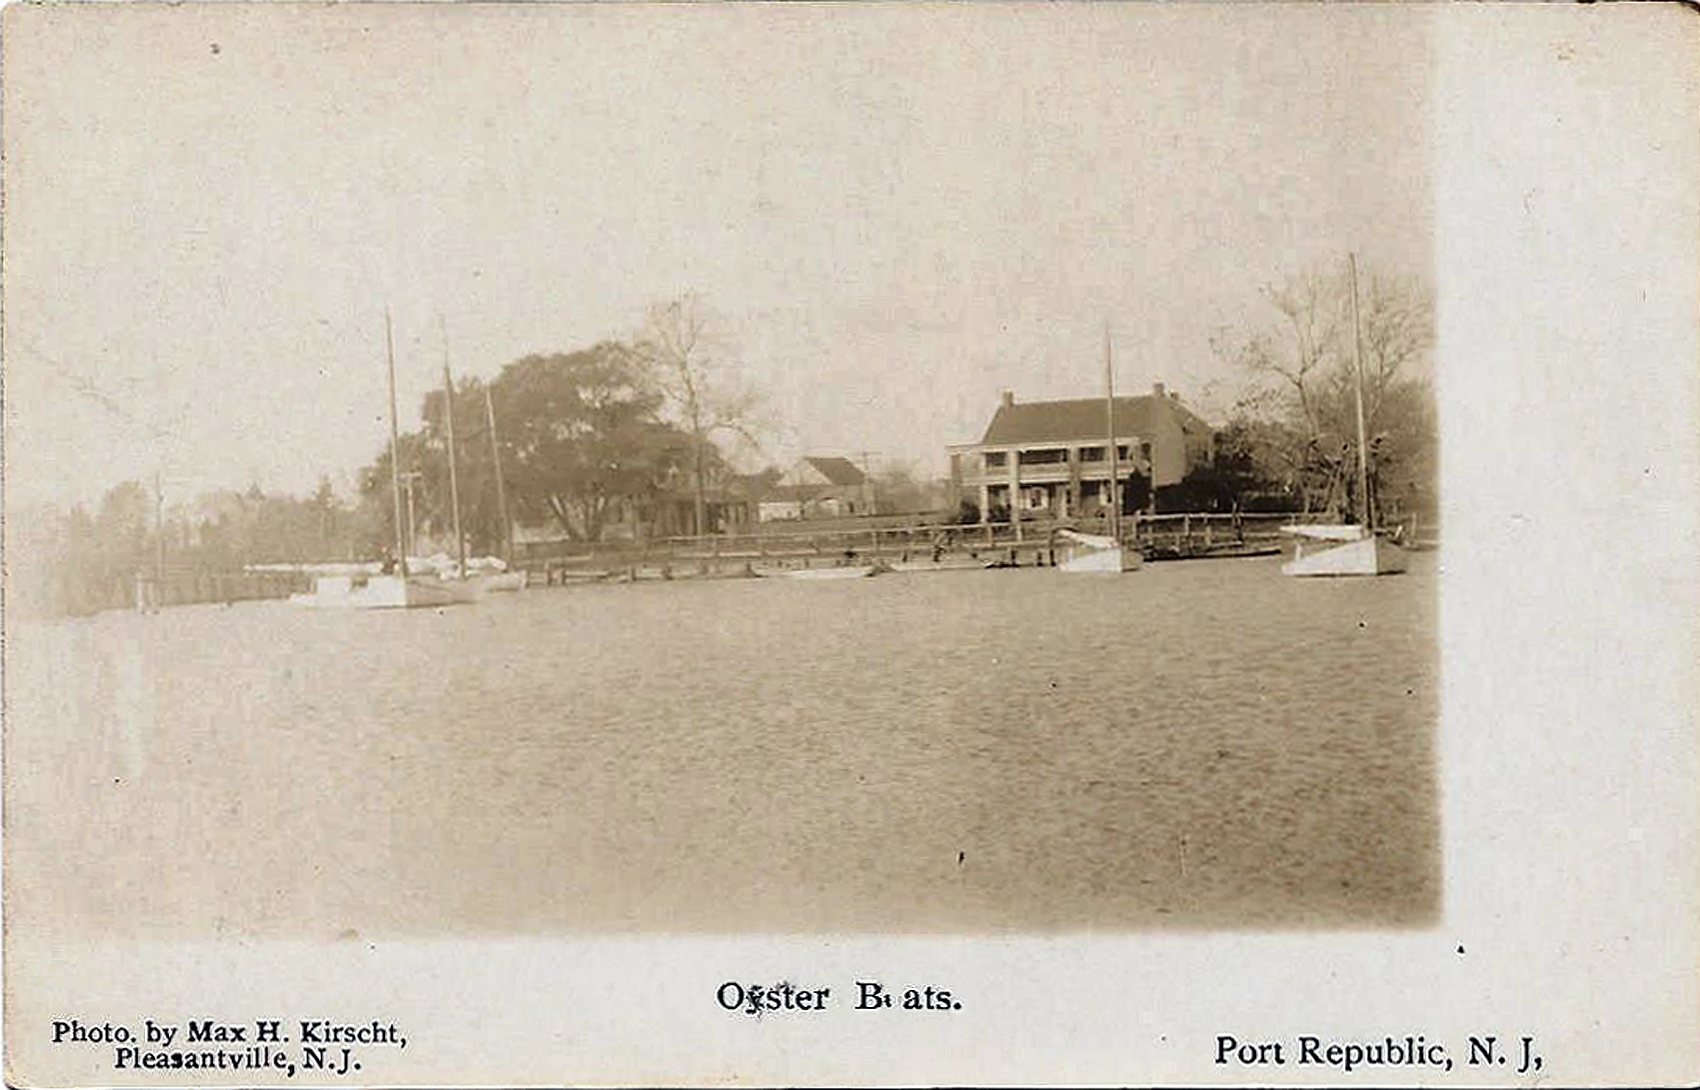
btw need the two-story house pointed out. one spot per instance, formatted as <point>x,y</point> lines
<point>1050,458</point>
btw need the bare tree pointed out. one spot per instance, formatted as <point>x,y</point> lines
<point>1297,354</point>
<point>1398,332</point>
<point>689,360</point>
<point>1301,370</point>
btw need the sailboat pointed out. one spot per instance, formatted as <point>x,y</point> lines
<point>485,581</point>
<point>1094,553</point>
<point>507,579</point>
<point>399,589</point>
<point>1348,548</point>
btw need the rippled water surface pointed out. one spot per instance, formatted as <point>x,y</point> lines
<point>1197,745</point>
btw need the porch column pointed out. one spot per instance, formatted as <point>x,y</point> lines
<point>985,503</point>
<point>1015,491</point>
<point>1151,476</point>
<point>1073,501</point>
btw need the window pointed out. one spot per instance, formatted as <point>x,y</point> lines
<point>1049,457</point>
<point>1092,454</point>
<point>994,459</point>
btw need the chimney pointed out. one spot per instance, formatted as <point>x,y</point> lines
<point>1157,389</point>
<point>1008,398</point>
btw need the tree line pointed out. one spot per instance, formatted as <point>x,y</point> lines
<point>593,439</point>
<point>82,561</point>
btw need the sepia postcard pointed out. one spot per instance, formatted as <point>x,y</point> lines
<point>797,544</point>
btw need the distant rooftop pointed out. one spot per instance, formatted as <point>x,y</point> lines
<point>840,471</point>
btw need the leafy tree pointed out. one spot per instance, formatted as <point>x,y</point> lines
<point>580,435</point>
<point>581,444</point>
<point>427,454</point>
<point>424,466</point>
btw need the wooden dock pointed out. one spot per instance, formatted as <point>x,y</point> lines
<point>917,546</point>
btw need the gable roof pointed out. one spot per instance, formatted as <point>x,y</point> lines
<point>1083,418</point>
<point>753,486</point>
<point>799,493</point>
<point>840,471</point>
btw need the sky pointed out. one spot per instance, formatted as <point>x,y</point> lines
<point>893,212</point>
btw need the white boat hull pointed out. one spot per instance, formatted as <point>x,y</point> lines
<point>384,592</point>
<point>1368,555</point>
<point>1094,554</point>
<point>1090,561</point>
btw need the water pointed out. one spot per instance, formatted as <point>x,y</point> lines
<point>1195,745</point>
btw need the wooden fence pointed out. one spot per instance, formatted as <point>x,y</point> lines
<point>181,588</point>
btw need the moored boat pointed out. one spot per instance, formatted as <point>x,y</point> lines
<point>859,571</point>
<point>384,592</point>
<point>1095,553</point>
<point>1230,551</point>
<point>1342,550</point>
<point>1092,553</point>
<point>486,575</point>
<point>947,563</point>
<point>1348,548</point>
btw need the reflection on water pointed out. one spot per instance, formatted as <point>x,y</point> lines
<point>1197,745</point>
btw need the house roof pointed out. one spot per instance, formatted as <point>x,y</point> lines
<point>753,486</point>
<point>1080,418</point>
<point>840,471</point>
<point>797,493</point>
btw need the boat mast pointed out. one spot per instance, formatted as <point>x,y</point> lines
<point>1110,438</point>
<point>454,480</point>
<point>395,448</point>
<point>501,492</point>
<point>1366,515</point>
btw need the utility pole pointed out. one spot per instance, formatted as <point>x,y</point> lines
<point>868,477</point>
